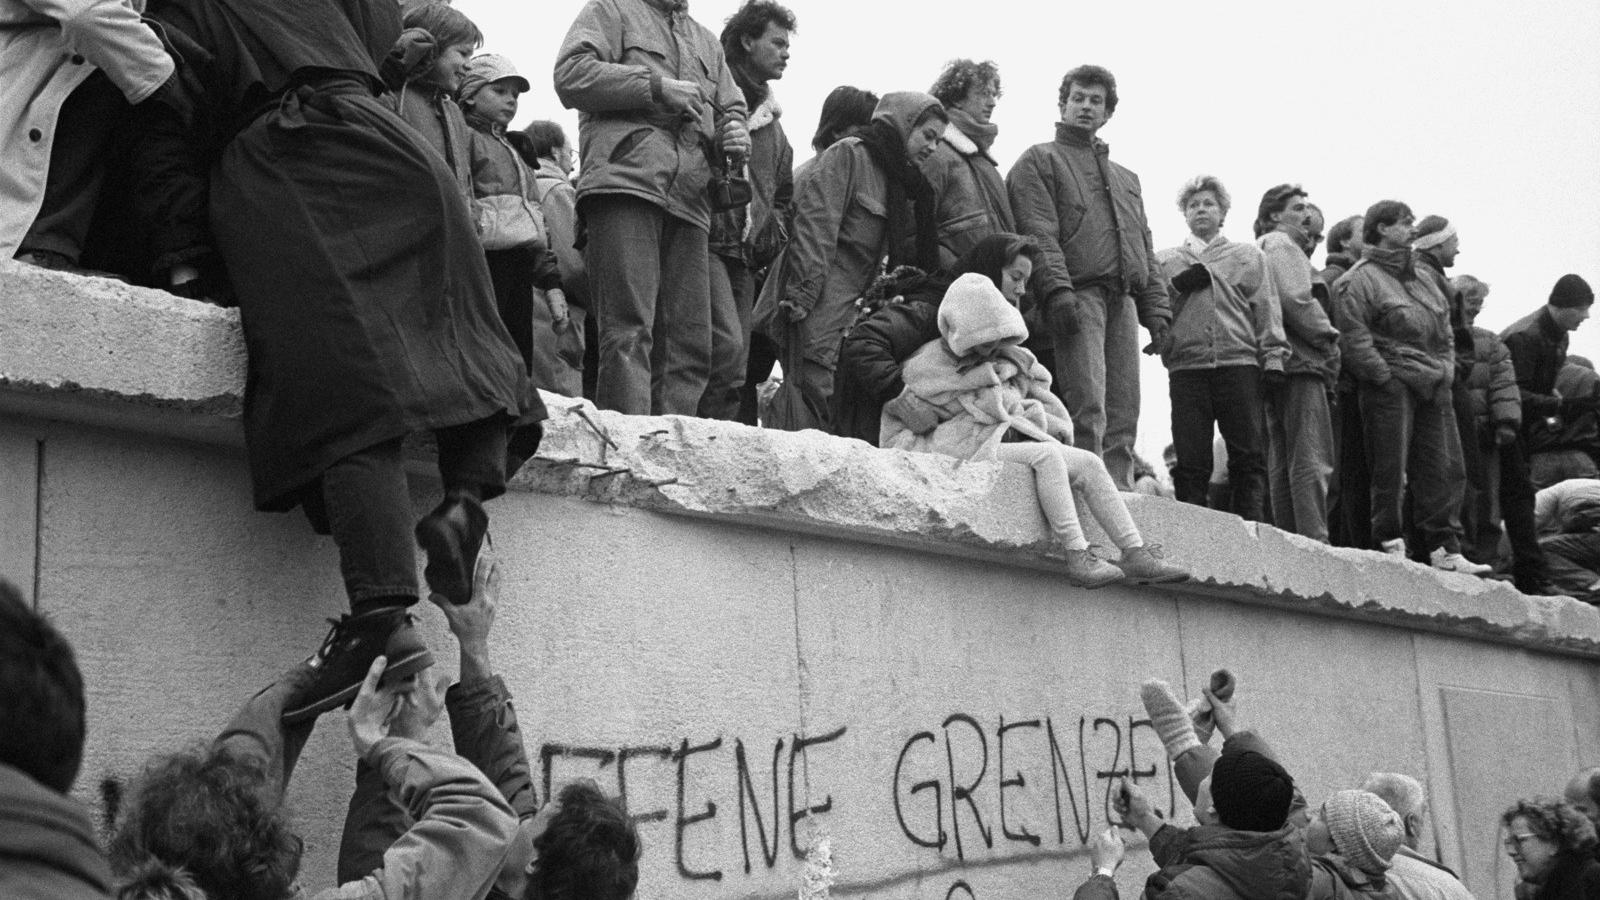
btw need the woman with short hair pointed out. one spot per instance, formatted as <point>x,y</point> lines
<point>1553,847</point>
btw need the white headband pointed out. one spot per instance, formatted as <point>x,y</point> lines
<point>1429,241</point>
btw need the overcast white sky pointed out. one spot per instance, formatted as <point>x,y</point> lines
<point>1485,112</point>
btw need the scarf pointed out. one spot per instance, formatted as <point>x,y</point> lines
<point>980,133</point>
<point>1396,262</point>
<point>887,147</point>
<point>755,93</point>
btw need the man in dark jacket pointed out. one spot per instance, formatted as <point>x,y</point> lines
<point>1100,280</point>
<point>744,241</point>
<point>656,102</point>
<point>1538,345</point>
<point>1245,848</point>
<point>1349,494</point>
<point>46,842</point>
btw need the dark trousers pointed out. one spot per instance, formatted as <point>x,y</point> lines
<point>1350,497</point>
<point>1574,562</point>
<point>762,358</point>
<point>1529,569</point>
<point>1228,397</point>
<point>650,284</point>
<point>364,501</point>
<point>1412,445</point>
<point>732,296</point>
<point>84,126</point>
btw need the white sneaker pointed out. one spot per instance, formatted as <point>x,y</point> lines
<point>1455,562</point>
<point>1396,547</point>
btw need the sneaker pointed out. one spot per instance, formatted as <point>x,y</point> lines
<point>340,665</point>
<point>451,535</point>
<point>1396,547</point>
<point>1143,565</point>
<point>1455,562</point>
<point>1088,571</point>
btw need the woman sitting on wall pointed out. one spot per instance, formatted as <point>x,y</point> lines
<point>872,353</point>
<point>975,393</point>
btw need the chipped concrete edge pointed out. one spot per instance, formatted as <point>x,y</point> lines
<point>100,353</point>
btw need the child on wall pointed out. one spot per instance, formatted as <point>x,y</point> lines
<point>975,393</point>
<point>511,225</point>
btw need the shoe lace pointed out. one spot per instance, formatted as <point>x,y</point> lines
<point>1155,550</point>
<point>334,632</point>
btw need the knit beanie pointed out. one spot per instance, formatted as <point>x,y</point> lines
<point>485,68</point>
<point>1432,232</point>
<point>1571,292</point>
<point>1251,792</point>
<point>974,312</point>
<point>1365,831</point>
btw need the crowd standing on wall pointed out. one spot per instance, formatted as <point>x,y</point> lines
<point>345,174</point>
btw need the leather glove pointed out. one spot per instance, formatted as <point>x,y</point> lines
<point>1160,339</point>
<point>1192,279</point>
<point>1062,312</point>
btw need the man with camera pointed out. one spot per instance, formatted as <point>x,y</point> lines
<point>747,236</point>
<point>656,101</point>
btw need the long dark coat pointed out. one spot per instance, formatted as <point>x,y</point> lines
<point>366,303</point>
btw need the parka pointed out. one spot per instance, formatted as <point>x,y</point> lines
<point>610,69</point>
<point>1313,341</point>
<point>972,199</point>
<point>1394,322</point>
<point>1334,878</point>
<point>976,401</point>
<point>871,355</point>
<point>1235,321</point>
<point>840,234</point>
<point>558,200</point>
<point>1492,382</point>
<point>1049,186</point>
<point>47,843</point>
<point>47,49</point>
<point>754,234</point>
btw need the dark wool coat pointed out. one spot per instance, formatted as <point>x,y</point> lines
<point>1574,878</point>
<point>363,292</point>
<point>869,363</point>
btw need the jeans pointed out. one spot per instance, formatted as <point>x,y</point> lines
<point>364,501</point>
<point>1058,470</point>
<point>1411,443</point>
<point>1228,397</point>
<point>650,281</point>
<point>1097,375</point>
<point>1555,466</point>
<point>1574,561</point>
<point>1300,456</point>
<point>83,130</point>
<point>732,295</point>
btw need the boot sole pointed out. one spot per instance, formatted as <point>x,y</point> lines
<point>1163,579</point>
<point>444,552</point>
<point>408,665</point>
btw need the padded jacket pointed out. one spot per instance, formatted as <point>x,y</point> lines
<point>1394,323</point>
<point>1313,340</point>
<point>1234,321</point>
<point>610,69</point>
<point>971,195</point>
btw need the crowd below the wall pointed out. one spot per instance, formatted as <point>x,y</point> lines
<point>343,172</point>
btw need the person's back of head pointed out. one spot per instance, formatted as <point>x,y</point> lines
<point>589,851</point>
<point>41,696</point>
<point>1364,829</point>
<point>545,138</point>
<point>209,813</point>
<point>1405,796</point>
<point>845,111</point>
<point>1250,791</point>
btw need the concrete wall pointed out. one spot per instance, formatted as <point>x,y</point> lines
<point>769,642</point>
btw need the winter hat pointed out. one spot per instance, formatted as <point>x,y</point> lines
<point>486,68</point>
<point>974,312</point>
<point>1251,792</point>
<point>1571,292</point>
<point>1169,718</point>
<point>1432,232</point>
<point>1365,831</point>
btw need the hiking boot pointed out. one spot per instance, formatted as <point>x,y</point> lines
<point>1395,548</point>
<point>1446,561</point>
<point>340,665</point>
<point>1088,571</point>
<point>1143,565</point>
<point>452,535</point>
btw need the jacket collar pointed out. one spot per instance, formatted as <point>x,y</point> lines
<point>1073,136</point>
<point>670,6</point>
<point>549,169</point>
<point>962,144</point>
<point>766,113</point>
